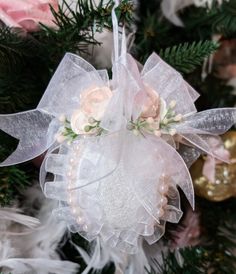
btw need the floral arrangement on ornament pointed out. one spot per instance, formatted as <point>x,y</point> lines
<point>119,149</point>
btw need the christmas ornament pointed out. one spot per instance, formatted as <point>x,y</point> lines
<point>222,186</point>
<point>112,147</point>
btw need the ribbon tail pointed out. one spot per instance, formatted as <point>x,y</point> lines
<point>209,169</point>
<point>31,128</point>
<point>188,153</point>
<point>211,121</point>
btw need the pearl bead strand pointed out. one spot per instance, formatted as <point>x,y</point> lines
<point>162,190</point>
<point>72,194</point>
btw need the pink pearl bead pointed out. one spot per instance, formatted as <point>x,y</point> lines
<point>70,184</point>
<point>163,188</point>
<point>75,210</point>
<point>163,201</point>
<point>77,148</point>
<point>70,175</point>
<point>72,200</point>
<point>85,228</point>
<point>160,212</point>
<point>79,220</point>
<point>70,168</point>
<point>72,161</point>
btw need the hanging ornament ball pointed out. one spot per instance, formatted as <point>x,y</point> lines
<point>224,185</point>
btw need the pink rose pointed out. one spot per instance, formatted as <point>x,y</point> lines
<point>210,163</point>
<point>93,103</point>
<point>152,104</point>
<point>26,14</point>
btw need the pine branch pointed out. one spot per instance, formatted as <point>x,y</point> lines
<point>224,21</point>
<point>214,92</point>
<point>149,35</point>
<point>15,45</point>
<point>88,15</point>
<point>12,180</point>
<point>216,254</point>
<point>21,70</point>
<point>186,57</point>
<point>76,29</point>
<point>218,19</point>
<point>22,84</point>
<point>193,262</point>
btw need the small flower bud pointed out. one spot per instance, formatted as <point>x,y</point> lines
<point>150,120</point>
<point>172,104</point>
<point>91,120</point>
<point>60,138</point>
<point>87,128</point>
<point>157,133</point>
<point>165,121</point>
<point>172,131</point>
<point>135,132</point>
<point>129,126</point>
<point>62,118</point>
<point>178,117</point>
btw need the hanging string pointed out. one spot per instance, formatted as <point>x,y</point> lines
<point>115,31</point>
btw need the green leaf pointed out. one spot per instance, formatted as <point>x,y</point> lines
<point>188,56</point>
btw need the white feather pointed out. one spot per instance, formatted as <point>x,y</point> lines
<point>14,215</point>
<point>39,266</point>
<point>102,254</point>
<point>32,250</point>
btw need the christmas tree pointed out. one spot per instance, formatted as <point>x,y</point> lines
<point>197,39</point>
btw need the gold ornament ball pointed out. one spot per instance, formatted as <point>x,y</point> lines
<point>224,186</point>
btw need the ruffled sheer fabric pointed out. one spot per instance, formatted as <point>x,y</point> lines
<point>121,206</point>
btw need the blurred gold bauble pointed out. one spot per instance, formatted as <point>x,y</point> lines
<point>224,186</point>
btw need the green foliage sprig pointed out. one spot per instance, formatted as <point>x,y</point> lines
<point>12,180</point>
<point>76,28</point>
<point>186,57</point>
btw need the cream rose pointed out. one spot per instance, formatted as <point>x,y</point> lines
<point>93,103</point>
